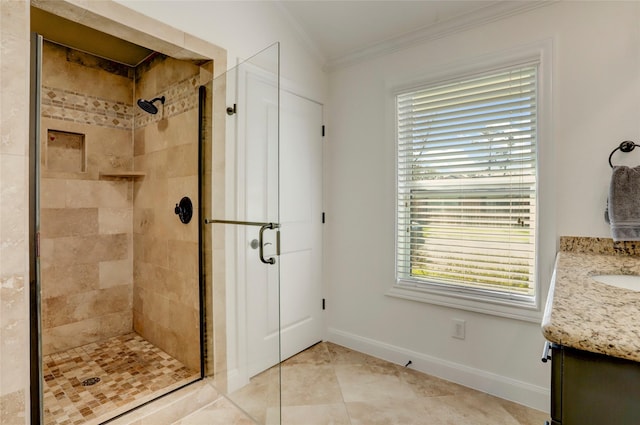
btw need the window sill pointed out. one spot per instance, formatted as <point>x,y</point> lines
<point>449,297</point>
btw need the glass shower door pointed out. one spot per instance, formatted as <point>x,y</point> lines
<point>243,227</point>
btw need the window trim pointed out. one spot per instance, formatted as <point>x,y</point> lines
<point>504,305</point>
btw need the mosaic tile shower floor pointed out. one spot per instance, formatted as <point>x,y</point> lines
<point>132,371</point>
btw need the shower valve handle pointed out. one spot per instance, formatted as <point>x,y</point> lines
<point>184,210</point>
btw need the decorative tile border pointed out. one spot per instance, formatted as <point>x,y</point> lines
<point>607,246</point>
<point>81,108</point>
<point>180,97</point>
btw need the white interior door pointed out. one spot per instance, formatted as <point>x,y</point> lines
<point>245,175</point>
<point>261,202</point>
<point>273,174</point>
<point>300,208</point>
<point>269,178</point>
<point>301,320</point>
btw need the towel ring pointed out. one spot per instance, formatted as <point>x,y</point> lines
<point>626,146</point>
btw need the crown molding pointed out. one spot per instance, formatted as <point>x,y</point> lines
<point>494,12</point>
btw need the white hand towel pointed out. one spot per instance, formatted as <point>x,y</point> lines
<point>624,203</point>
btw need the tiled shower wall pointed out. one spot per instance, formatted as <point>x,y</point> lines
<point>115,256</point>
<point>86,219</point>
<point>14,231</point>
<point>166,291</point>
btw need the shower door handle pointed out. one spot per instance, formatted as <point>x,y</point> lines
<point>263,227</point>
<point>270,260</point>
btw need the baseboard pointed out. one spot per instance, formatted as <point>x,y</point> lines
<point>530,395</point>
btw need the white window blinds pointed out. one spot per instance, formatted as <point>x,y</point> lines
<point>466,210</point>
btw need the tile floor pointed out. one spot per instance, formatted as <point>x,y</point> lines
<point>131,370</point>
<point>324,385</point>
<point>331,385</point>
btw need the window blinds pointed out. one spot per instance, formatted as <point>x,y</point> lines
<point>466,168</point>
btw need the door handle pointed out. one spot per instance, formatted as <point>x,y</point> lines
<point>260,241</point>
<point>270,260</point>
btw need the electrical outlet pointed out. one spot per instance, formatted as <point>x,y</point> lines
<point>458,328</point>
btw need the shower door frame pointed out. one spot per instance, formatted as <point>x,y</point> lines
<point>35,352</point>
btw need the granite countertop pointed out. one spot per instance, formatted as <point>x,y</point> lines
<point>585,314</point>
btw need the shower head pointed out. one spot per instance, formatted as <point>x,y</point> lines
<point>148,106</point>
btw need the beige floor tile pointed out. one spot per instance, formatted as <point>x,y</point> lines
<point>471,408</point>
<point>305,384</point>
<point>171,407</point>
<point>448,410</point>
<point>429,386</point>
<point>342,355</point>
<point>322,414</point>
<point>317,355</point>
<point>524,415</point>
<point>389,412</point>
<point>262,392</point>
<point>220,412</point>
<point>332,385</point>
<point>364,382</point>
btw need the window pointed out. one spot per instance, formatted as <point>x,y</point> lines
<point>467,186</point>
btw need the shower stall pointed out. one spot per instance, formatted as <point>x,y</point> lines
<point>157,217</point>
<point>120,274</point>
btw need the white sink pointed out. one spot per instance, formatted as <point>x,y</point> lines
<point>619,280</point>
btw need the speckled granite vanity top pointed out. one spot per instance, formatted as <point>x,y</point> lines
<point>585,314</point>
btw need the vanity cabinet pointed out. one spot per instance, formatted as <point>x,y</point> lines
<point>593,389</point>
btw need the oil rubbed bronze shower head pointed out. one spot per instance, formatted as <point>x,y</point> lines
<point>148,106</point>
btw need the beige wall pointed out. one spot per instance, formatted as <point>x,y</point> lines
<point>14,275</point>
<point>86,220</point>
<point>166,291</point>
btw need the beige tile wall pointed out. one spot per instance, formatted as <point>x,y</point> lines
<point>114,254</point>
<point>86,228</point>
<point>96,231</point>
<point>14,233</point>
<point>166,289</point>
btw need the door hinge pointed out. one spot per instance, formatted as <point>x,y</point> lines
<point>323,131</point>
<point>323,218</point>
<point>323,304</point>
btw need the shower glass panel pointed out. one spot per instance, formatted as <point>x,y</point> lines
<point>243,229</point>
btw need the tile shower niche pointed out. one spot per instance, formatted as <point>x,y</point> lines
<point>65,151</point>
